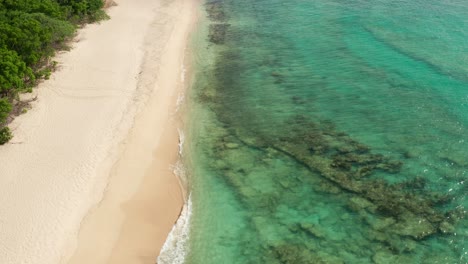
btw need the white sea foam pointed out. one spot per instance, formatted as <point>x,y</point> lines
<point>180,101</point>
<point>175,249</point>
<point>181,141</point>
<point>181,96</point>
<point>179,171</point>
<point>183,73</point>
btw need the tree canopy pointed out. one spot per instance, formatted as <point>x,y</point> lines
<point>30,33</point>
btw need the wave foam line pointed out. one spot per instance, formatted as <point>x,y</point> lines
<point>175,248</point>
<point>181,96</point>
<point>180,101</point>
<point>181,141</point>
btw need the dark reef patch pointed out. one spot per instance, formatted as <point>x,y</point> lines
<point>215,11</point>
<point>217,33</point>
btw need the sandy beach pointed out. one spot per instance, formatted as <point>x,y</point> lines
<point>88,177</point>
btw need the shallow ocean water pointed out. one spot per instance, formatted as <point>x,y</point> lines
<point>329,132</point>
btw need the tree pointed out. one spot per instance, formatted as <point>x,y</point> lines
<point>13,73</point>
<point>5,108</point>
<point>81,9</point>
<point>47,7</point>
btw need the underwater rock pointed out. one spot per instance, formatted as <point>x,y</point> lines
<point>357,204</point>
<point>329,259</point>
<point>391,166</point>
<point>388,199</point>
<point>361,148</point>
<point>408,155</point>
<point>295,254</point>
<point>217,33</point>
<point>231,145</point>
<point>326,186</point>
<point>417,183</point>
<point>457,159</point>
<point>298,100</point>
<point>276,74</point>
<point>207,96</point>
<point>378,236</point>
<point>445,227</point>
<point>248,193</point>
<point>399,214</point>
<point>345,217</point>
<point>344,149</point>
<point>313,146</point>
<point>385,257</point>
<point>215,11</point>
<point>311,230</point>
<point>341,163</point>
<point>221,165</point>
<point>284,183</point>
<point>364,171</point>
<point>392,243</point>
<point>382,223</point>
<point>279,78</point>
<point>409,245</point>
<point>413,226</point>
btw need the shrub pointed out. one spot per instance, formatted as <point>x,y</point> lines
<point>5,135</point>
<point>5,108</point>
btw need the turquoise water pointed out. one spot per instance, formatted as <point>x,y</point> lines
<point>329,132</point>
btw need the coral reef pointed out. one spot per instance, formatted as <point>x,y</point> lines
<point>349,165</point>
<point>217,33</point>
<point>215,11</point>
<point>397,214</point>
<point>218,29</point>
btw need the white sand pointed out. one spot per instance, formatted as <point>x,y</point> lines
<point>105,120</point>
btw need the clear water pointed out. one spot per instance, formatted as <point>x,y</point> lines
<point>330,131</point>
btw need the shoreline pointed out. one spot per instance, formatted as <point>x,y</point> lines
<point>146,217</point>
<point>90,162</point>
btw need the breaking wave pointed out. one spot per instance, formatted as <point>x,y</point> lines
<point>175,248</point>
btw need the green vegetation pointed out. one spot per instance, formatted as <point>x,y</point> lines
<point>5,135</point>
<point>30,33</point>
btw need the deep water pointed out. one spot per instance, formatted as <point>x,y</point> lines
<point>329,131</point>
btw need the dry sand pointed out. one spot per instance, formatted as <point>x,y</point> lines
<point>99,145</point>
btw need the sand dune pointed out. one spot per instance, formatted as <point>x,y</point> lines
<point>105,121</point>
